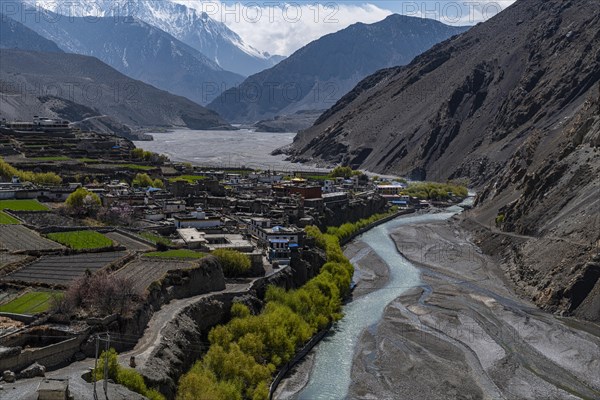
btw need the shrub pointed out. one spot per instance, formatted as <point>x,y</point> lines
<point>233,262</point>
<point>142,180</point>
<point>127,377</point>
<point>500,219</point>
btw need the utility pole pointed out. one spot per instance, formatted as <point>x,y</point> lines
<point>106,365</point>
<point>96,366</point>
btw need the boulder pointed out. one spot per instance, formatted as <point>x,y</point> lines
<point>32,371</point>
<point>9,376</point>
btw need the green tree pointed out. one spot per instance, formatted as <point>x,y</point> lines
<point>233,262</point>
<point>142,180</point>
<point>137,153</point>
<point>341,172</point>
<point>83,202</point>
<point>7,171</point>
<point>158,183</point>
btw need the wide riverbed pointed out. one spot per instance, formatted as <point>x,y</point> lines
<point>235,149</point>
<point>331,374</point>
<point>434,319</point>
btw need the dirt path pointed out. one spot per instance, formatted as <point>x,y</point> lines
<point>153,333</point>
<point>464,334</point>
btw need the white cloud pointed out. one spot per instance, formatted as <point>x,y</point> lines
<point>284,27</point>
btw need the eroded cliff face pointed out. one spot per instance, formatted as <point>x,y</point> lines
<point>547,202</point>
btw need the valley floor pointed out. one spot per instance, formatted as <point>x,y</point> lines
<point>464,334</point>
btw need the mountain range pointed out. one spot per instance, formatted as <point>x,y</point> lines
<point>197,29</point>
<point>84,89</point>
<point>13,35</point>
<point>136,49</point>
<point>513,106</point>
<point>317,75</point>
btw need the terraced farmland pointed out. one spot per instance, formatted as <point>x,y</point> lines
<point>7,258</point>
<point>61,270</point>
<point>6,219</point>
<point>128,242</point>
<point>22,205</point>
<point>29,303</point>
<point>18,237</point>
<point>82,240</point>
<point>41,219</point>
<point>147,270</point>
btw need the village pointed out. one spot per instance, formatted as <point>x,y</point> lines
<point>97,236</point>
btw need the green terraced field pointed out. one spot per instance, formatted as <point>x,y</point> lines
<point>136,167</point>
<point>29,303</point>
<point>22,205</point>
<point>188,178</point>
<point>81,240</point>
<point>6,219</point>
<point>179,254</point>
<point>52,158</point>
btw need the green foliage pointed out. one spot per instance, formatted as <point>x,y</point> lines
<point>22,205</point>
<point>344,231</point>
<point>500,219</point>
<point>7,171</point>
<point>319,178</point>
<point>341,172</point>
<point>233,262</point>
<point>6,219</point>
<point>81,240</point>
<point>156,239</point>
<point>158,183</point>
<point>137,153</point>
<point>239,310</point>
<point>127,377</point>
<point>245,352</point>
<point>188,178</point>
<point>82,200</point>
<point>29,303</point>
<point>136,167</point>
<point>51,158</point>
<point>142,180</point>
<point>435,191</point>
<point>179,254</point>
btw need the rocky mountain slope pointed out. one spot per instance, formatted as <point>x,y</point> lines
<point>317,75</point>
<point>81,87</point>
<point>13,35</point>
<point>511,105</point>
<point>195,28</point>
<point>138,50</point>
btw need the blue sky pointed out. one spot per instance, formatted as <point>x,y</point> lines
<point>283,26</point>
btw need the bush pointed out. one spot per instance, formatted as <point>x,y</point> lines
<point>127,377</point>
<point>500,219</point>
<point>233,262</point>
<point>142,180</point>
